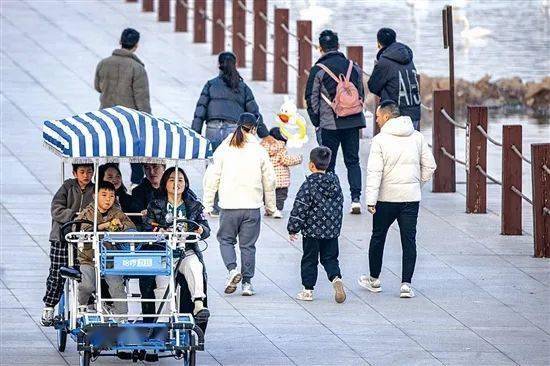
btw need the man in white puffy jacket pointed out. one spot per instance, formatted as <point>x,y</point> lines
<point>400,162</point>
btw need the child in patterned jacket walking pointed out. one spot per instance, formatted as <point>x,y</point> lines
<point>317,213</point>
<point>278,154</point>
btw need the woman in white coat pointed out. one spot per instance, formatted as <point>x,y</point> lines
<point>243,175</point>
<point>400,162</point>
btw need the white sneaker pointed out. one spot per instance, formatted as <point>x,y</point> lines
<point>339,293</point>
<point>355,208</point>
<point>248,290</point>
<point>277,214</point>
<point>406,291</point>
<point>369,283</point>
<point>233,279</point>
<point>47,317</point>
<point>305,295</point>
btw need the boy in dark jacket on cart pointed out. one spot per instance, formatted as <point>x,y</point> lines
<point>71,198</point>
<point>317,213</point>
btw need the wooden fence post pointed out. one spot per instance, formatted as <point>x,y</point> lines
<point>164,11</point>
<point>259,57</point>
<point>280,49</point>
<point>199,22</point>
<point>181,17</point>
<point>511,177</point>
<point>540,178</point>
<point>305,56</point>
<point>476,182</point>
<point>239,32</point>
<point>218,32</point>
<point>148,6</point>
<point>443,136</point>
<point>355,53</point>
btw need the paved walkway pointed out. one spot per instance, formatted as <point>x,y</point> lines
<point>482,298</point>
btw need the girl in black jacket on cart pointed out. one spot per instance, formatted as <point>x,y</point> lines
<point>191,272</point>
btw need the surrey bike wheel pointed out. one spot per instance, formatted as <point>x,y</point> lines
<point>62,327</point>
<point>85,358</point>
<point>190,358</point>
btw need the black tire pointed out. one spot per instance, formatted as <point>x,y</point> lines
<point>61,339</point>
<point>85,358</point>
<point>61,333</point>
<point>191,359</point>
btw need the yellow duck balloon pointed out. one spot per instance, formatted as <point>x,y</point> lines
<point>292,124</point>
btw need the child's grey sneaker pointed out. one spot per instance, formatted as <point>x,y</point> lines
<point>406,291</point>
<point>339,293</point>
<point>248,290</point>
<point>277,214</point>
<point>369,283</point>
<point>305,295</point>
<point>47,317</point>
<point>233,279</point>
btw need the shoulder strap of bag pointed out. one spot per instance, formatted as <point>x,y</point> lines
<point>327,70</point>
<point>350,67</point>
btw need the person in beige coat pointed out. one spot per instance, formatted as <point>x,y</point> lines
<point>242,174</point>
<point>400,162</point>
<point>121,79</point>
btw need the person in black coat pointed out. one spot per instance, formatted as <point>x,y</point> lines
<point>336,131</point>
<point>222,100</point>
<point>394,76</point>
<point>191,271</point>
<point>317,214</point>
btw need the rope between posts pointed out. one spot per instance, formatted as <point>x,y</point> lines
<point>515,149</point>
<point>546,211</point>
<point>310,42</point>
<point>242,6</point>
<point>265,18</point>
<point>489,138</point>
<point>425,106</point>
<point>203,14</point>
<point>518,192</point>
<point>478,167</point>
<point>264,50</point>
<point>452,121</point>
<point>545,168</point>
<point>185,4</point>
<point>285,28</point>
<point>452,157</point>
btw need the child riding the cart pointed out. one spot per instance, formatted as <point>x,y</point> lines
<point>111,252</point>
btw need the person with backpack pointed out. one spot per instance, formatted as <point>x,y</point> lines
<point>394,76</point>
<point>223,99</point>
<point>334,96</point>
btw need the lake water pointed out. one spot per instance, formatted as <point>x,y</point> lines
<point>517,43</point>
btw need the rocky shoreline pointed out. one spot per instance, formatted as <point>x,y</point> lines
<point>532,98</point>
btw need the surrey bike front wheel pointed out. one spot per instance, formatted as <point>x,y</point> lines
<point>85,358</point>
<point>61,325</point>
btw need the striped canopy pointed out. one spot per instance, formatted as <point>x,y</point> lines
<point>121,132</point>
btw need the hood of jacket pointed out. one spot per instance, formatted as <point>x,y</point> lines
<point>126,53</point>
<point>397,52</point>
<point>273,148</point>
<point>399,126</point>
<point>325,183</point>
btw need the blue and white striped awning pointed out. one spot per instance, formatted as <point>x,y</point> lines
<point>121,132</point>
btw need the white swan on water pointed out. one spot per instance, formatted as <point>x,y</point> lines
<point>475,33</point>
<point>322,15</point>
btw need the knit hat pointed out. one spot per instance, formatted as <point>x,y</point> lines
<point>275,132</point>
<point>248,119</point>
